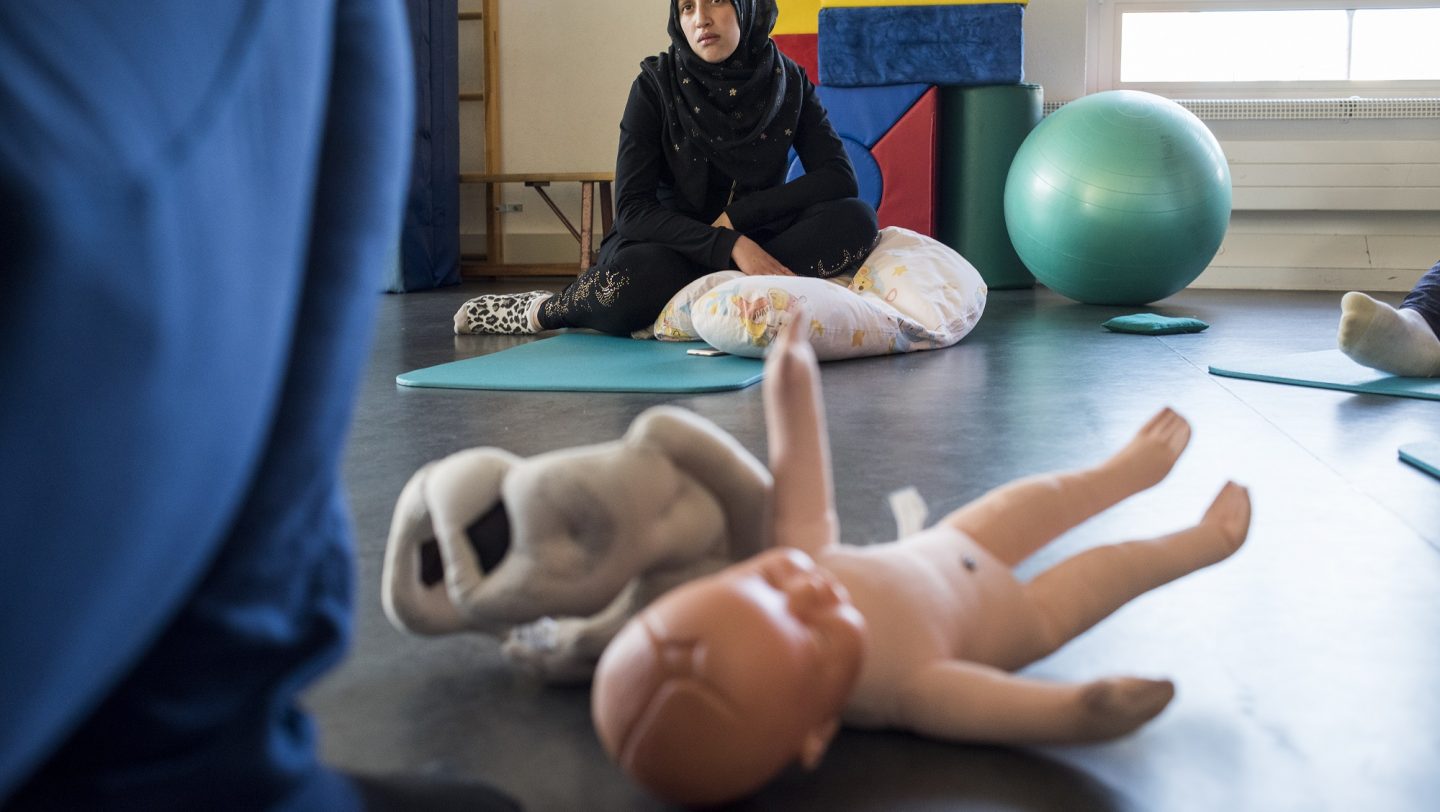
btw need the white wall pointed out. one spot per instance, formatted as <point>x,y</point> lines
<point>565,72</point>
<point>1055,38</point>
<point>566,68</point>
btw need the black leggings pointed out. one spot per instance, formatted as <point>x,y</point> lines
<point>1425,297</point>
<point>627,292</point>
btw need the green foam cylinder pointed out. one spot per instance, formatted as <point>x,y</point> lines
<point>981,129</point>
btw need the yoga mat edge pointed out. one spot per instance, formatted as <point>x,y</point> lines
<point>1425,456</point>
<point>587,362</point>
<point>1328,369</point>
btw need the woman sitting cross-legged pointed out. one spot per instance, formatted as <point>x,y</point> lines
<point>700,181</point>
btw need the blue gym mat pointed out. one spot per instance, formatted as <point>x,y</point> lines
<point>1329,369</point>
<point>1425,456</point>
<point>588,362</point>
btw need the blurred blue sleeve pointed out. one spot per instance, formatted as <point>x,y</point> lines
<point>196,201</point>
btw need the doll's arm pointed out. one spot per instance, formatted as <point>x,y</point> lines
<point>965,701</point>
<point>799,447</point>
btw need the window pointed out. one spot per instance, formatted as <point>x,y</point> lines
<point>1247,48</point>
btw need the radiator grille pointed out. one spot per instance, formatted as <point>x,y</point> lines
<point>1302,109</point>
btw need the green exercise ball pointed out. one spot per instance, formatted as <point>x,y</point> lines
<point>1119,198</point>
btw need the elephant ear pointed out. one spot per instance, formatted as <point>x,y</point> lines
<point>739,482</point>
<point>429,555</point>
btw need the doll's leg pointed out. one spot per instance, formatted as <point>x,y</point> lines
<point>1077,593</point>
<point>965,701</point>
<point>1014,520</point>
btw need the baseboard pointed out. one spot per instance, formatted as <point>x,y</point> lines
<point>1254,278</point>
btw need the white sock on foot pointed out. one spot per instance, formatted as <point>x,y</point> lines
<point>1398,341</point>
<point>532,314</point>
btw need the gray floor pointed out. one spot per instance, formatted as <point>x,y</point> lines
<point>1307,666</point>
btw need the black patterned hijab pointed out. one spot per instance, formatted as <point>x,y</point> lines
<point>740,114</point>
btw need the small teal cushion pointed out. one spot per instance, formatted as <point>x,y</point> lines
<point>1153,324</point>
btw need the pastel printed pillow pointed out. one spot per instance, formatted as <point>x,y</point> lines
<point>674,322</point>
<point>743,316</point>
<point>912,293</point>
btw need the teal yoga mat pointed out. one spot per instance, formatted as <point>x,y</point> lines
<point>1329,369</point>
<point>586,362</point>
<point>1425,456</point>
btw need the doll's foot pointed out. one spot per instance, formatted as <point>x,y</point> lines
<point>1397,341</point>
<point>1229,517</point>
<point>1153,452</point>
<point>1218,534</point>
<point>1118,705</point>
<point>506,314</point>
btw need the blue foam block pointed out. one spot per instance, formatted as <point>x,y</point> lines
<point>888,132</point>
<point>861,115</point>
<point>969,44</point>
<point>588,362</point>
<point>867,113</point>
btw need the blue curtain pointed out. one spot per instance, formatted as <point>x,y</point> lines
<point>429,254</point>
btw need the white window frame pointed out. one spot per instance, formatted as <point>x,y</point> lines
<point>1104,19</point>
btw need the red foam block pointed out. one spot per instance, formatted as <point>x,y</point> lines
<point>803,49</point>
<point>907,156</point>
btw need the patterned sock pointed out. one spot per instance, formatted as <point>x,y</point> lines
<point>506,313</point>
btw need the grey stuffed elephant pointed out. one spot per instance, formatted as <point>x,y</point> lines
<point>555,552</point>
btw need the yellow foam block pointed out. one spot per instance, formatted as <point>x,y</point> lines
<point>875,3</point>
<point>797,17</point>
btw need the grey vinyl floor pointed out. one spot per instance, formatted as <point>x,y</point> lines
<point>1307,666</point>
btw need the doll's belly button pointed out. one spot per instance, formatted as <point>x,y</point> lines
<point>969,563</point>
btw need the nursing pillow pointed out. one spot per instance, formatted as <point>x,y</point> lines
<point>912,293</point>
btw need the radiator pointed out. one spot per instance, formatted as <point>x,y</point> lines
<point>1355,107</point>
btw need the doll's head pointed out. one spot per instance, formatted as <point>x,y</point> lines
<point>725,681</point>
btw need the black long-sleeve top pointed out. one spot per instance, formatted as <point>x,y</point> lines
<point>649,209</point>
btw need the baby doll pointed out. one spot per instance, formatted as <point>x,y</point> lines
<point>486,541</point>
<point>721,683</point>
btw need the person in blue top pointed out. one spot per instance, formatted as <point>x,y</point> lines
<point>700,181</point>
<point>197,204</point>
<point>1402,340</point>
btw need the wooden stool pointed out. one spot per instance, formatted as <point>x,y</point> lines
<point>588,182</point>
